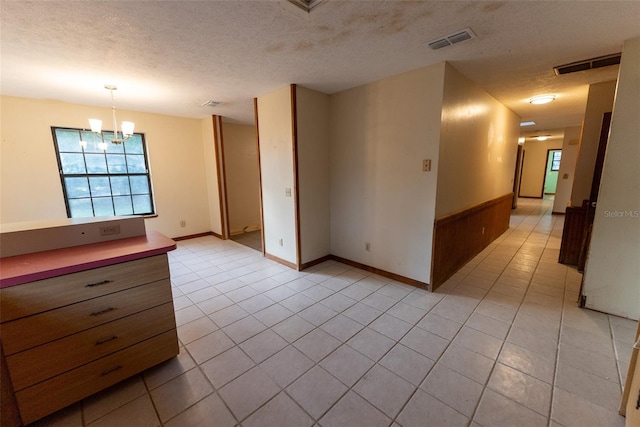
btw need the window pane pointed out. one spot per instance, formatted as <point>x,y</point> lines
<point>141,204</point>
<point>99,186</point>
<point>111,147</point>
<point>72,163</point>
<point>135,163</point>
<point>96,163</point>
<point>80,208</point>
<point>68,140</point>
<point>134,145</point>
<point>116,163</point>
<point>92,140</point>
<point>103,206</point>
<point>114,148</point>
<point>77,187</point>
<point>123,205</point>
<point>120,185</point>
<point>139,185</point>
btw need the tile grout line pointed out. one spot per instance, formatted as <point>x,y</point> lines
<point>557,358</point>
<point>458,332</point>
<point>486,386</point>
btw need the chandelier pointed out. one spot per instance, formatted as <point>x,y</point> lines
<point>126,129</point>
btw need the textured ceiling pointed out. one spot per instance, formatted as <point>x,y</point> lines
<point>170,57</point>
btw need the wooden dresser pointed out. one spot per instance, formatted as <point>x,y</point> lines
<point>77,320</point>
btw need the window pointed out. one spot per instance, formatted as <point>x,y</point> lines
<point>555,161</point>
<point>98,182</point>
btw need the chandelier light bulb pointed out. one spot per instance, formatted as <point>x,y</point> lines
<point>126,129</point>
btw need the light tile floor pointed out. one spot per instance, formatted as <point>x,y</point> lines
<point>502,343</point>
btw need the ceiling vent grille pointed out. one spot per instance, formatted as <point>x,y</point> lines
<point>306,5</point>
<point>457,37</point>
<point>211,103</point>
<point>588,64</point>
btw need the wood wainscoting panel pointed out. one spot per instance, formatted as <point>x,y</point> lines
<point>460,236</point>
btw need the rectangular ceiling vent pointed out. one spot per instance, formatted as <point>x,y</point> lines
<point>588,64</point>
<point>306,5</point>
<point>457,37</point>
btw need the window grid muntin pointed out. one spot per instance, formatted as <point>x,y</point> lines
<point>138,150</point>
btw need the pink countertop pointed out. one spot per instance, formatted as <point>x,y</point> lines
<point>20,269</point>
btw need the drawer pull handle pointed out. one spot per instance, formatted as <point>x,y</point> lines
<point>106,340</point>
<point>109,371</point>
<point>103,282</point>
<point>106,310</point>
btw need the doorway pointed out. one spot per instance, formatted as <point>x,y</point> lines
<point>551,172</point>
<point>241,190</point>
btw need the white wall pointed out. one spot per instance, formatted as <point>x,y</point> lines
<point>243,177</point>
<point>30,183</point>
<point>380,133</point>
<point>612,272</point>
<point>277,174</point>
<point>478,146</point>
<point>535,165</point>
<point>570,146</point>
<point>599,101</point>
<point>313,173</point>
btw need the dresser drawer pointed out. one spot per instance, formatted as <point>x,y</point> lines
<point>28,332</point>
<point>42,295</point>
<point>49,396</point>
<point>40,363</point>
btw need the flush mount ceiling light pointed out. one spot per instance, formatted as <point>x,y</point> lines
<point>542,137</point>
<point>211,103</point>
<point>542,99</point>
<point>529,123</point>
<point>457,37</point>
<point>118,137</point>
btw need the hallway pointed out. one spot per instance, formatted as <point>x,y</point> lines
<point>501,343</point>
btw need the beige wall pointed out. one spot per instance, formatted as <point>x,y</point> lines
<point>380,133</point>
<point>30,183</point>
<point>570,146</point>
<point>612,273</point>
<point>535,165</point>
<point>599,101</point>
<point>243,180</point>
<point>478,146</point>
<point>277,174</point>
<point>313,173</point>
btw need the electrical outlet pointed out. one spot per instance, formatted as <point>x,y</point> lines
<point>367,247</point>
<point>183,223</point>
<point>426,165</point>
<point>287,192</point>
<point>109,230</point>
<point>281,242</point>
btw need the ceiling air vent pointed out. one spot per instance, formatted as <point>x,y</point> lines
<point>306,5</point>
<point>457,37</point>
<point>588,64</point>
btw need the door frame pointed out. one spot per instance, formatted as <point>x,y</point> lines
<point>546,168</point>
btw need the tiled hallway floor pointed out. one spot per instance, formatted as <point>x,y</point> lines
<point>502,343</point>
